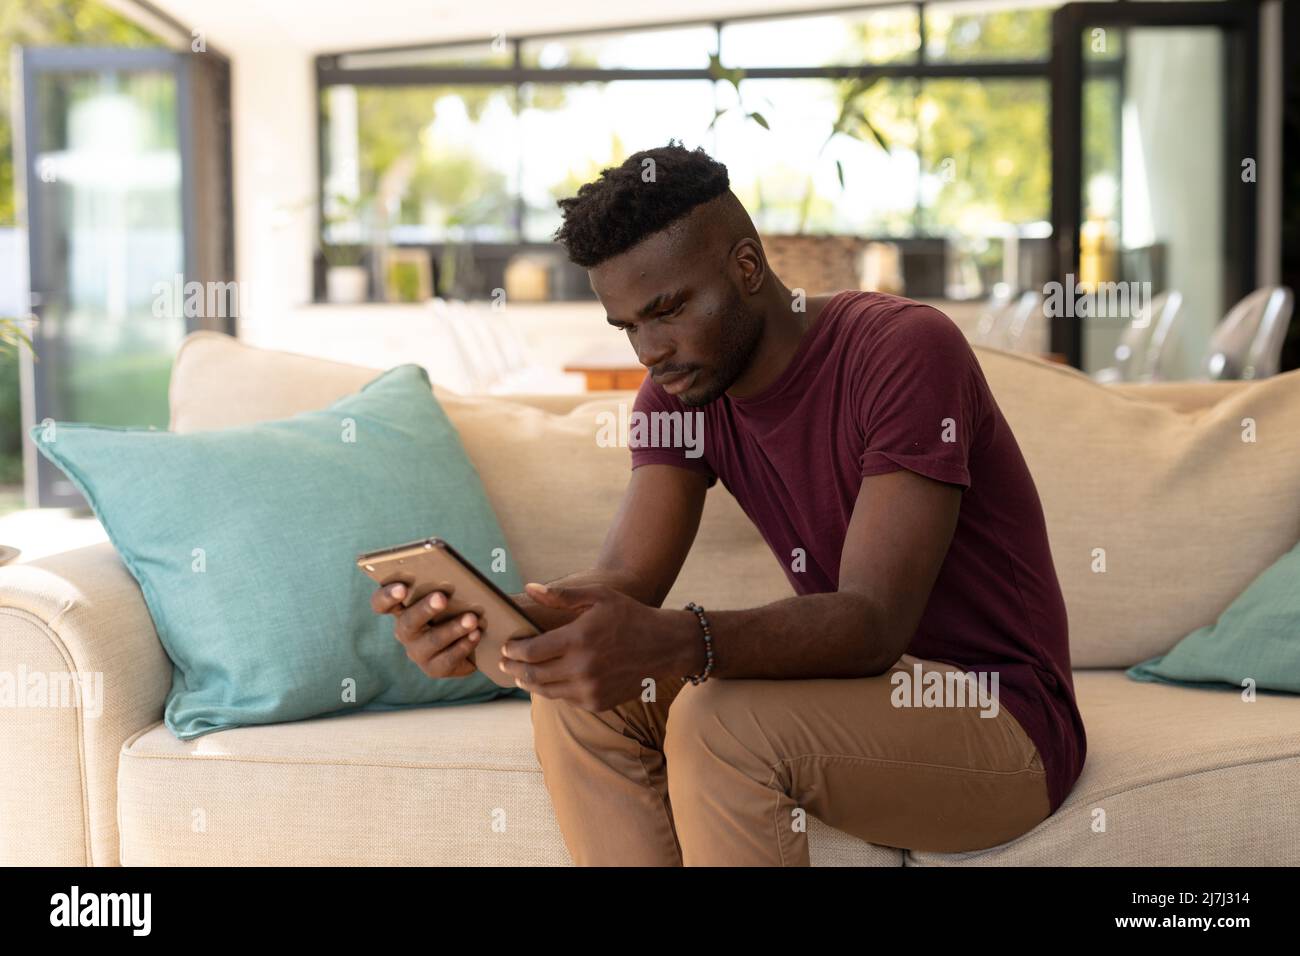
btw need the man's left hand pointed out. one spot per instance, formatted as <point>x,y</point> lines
<point>603,657</point>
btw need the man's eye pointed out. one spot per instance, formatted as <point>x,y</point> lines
<point>671,312</point>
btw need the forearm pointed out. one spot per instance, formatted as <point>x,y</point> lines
<point>839,634</point>
<point>549,618</point>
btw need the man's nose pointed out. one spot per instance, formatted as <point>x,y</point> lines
<point>652,351</point>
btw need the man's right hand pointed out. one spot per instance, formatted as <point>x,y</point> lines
<point>439,646</point>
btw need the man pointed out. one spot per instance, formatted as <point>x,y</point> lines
<point>859,435</point>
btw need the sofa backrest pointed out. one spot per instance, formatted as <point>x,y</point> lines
<point>555,490</point>
<point>1159,512</point>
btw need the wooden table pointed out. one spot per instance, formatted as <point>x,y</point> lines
<point>617,368</point>
<point>609,368</point>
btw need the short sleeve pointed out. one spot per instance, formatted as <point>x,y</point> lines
<point>663,431</point>
<point>923,399</point>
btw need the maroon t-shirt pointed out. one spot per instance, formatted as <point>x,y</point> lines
<point>877,384</point>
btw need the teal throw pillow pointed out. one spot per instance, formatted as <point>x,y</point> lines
<point>244,543</point>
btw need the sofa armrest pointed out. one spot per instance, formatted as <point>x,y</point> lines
<point>81,669</point>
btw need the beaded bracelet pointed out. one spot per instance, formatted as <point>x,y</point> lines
<point>708,646</point>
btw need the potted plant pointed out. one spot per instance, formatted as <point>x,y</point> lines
<point>346,279</point>
<point>804,260</point>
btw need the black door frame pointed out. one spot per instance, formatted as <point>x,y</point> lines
<point>1240,23</point>
<point>206,193</point>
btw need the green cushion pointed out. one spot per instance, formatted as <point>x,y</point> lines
<point>1256,637</point>
<point>244,543</point>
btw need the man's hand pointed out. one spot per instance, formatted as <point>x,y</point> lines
<point>440,647</point>
<point>601,658</point>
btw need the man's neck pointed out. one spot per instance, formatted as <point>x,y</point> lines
<point>783,331</point>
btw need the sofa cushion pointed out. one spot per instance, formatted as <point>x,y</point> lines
<point>556,491</point>
<point>1184,777</point>
<point>1177,777</point>
<point>1178,509</point>
<point>456,786</point>
<point>243,540</point>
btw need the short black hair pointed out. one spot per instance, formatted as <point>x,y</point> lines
<point>619,209</point>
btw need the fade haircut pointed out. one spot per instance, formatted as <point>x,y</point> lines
<point>620,208</point>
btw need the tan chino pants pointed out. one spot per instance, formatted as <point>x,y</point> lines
<point>725,773</point>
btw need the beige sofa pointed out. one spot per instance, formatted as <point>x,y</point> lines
<point>1160,511</point>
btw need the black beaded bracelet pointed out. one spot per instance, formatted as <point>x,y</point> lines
<point>708,646</point>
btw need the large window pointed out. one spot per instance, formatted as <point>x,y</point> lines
<point>568,133</point>
<point>917,121</point>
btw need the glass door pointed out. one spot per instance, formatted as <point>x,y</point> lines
<point>1154,115</point>
<point>107,170</point>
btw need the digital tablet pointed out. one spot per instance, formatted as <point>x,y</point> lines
<point>432,564</point>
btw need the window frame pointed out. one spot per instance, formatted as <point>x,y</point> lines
<point>329,72</point>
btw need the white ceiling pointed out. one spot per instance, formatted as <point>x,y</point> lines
<point>320,26</point>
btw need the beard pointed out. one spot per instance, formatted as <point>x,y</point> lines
<point>741,332</point>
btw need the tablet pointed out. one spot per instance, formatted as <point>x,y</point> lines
<point>433,565</point>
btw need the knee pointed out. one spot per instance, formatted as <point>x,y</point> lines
<point>707,723</point>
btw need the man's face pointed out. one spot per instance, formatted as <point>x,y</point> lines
<point>683,314</point>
